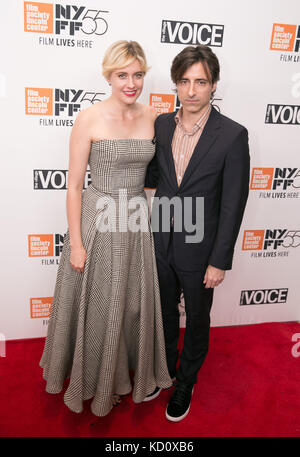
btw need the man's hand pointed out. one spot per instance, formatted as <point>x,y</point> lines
<point>213,277</point>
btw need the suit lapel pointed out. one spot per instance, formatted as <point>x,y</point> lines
<point>170,159</point>
<point>206,140</point>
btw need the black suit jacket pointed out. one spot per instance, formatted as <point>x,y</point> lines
<point>218,171</point>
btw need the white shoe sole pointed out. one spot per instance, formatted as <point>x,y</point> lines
<point>153,396</point>
<point>177,419</point>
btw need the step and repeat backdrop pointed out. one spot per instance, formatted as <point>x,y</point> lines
<point>50,69</point>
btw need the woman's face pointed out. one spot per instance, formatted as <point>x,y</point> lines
<point>127,83</point>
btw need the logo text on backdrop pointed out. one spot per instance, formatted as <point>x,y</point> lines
<point>179,32</point>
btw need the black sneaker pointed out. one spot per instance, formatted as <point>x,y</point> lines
<point>180,403</point>
<point>154,394</point>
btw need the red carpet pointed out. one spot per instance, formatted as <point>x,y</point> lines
<point>249,386</point>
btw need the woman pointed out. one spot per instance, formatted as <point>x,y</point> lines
<point>106,317</point>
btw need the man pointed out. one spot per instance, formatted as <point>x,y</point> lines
<point>199,153</point>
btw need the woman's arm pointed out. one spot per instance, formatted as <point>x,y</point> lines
<point>78,158</point>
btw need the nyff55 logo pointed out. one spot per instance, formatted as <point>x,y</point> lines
<point>45,245</point>
<point>275,178</point>
<point>257,240</point>
<point>48,18</point>
<point>49,102</point>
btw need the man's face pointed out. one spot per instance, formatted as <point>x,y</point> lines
<point>194,89</point>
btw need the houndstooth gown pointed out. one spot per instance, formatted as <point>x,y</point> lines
<point>107,320</point>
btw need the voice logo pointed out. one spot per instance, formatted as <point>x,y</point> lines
<point>263,296</point>
<point>55,179</point>
<point>45,245</point>
<point>282,114</point>
<point>275,178</point>
<point>40,17</point>
<point>40,307</point>
<point>179,32</point>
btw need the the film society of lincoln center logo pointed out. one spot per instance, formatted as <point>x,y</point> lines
<point>286,38</point>
<point>71,25</point>
<point>55,179</point>
<point>167,103</point>
<point>263,297</point>
<point>163,103</point>
<point>40,307</point>
<point>179,32</point>
<point>276,182</point>
<point>271,242</point>
<point>47,246</point>
<point>58,104</point>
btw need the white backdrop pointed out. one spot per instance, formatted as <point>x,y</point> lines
<point>51,55</point>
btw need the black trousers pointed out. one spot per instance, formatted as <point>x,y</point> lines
<point>198,301</point>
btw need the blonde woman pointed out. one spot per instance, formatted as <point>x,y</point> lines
<point>105,331</point>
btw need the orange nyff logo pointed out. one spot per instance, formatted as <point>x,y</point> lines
<point>261,178</point>
<point>40,307</point>
<point>283,37</point>
<point>253,240</point>
<point>38,101</point>
<point>38,17</point>
<point>40,246</point>
<point>163,103</point>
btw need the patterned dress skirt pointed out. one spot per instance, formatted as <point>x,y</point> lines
<point>105,323</point>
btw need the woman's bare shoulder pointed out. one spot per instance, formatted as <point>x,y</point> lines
<point>87,114</point>
<point>149,111</point>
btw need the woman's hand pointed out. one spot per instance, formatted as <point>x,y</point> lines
<point>78,258</point>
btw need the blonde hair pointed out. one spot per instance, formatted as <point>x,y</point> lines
<point>123,53</point>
